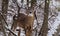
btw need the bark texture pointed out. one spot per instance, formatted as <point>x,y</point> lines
<point>4,11</point>
<point>44,29</point>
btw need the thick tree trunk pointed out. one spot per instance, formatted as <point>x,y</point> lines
<point>4,6</point>
<point>2,26</point>
<point>44,29</point>
<point>4,11</point>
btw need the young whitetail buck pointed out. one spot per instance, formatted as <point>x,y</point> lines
<point>24,21</point>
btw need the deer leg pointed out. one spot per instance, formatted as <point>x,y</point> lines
<point>28,31</point>
<point>18,31</point>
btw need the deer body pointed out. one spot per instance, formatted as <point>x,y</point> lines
<point>24,21</point>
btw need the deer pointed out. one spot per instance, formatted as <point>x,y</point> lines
<point>25,22</point>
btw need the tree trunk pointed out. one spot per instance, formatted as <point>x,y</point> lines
<point>2,26</point>
<point>4,6</point>
<point>4,11</point>
<point>44,29</point>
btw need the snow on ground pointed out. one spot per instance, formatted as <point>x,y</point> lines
<point>54,26</point>
<point>1,33</point>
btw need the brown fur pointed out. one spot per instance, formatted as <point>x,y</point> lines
<point>25,22</point>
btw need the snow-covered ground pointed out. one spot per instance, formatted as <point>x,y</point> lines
<point>54,26</point>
